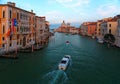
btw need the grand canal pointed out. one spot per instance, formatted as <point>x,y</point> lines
<point>92,63</point>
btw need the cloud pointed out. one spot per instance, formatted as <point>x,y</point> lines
<point>108,9</point>
<point>54,16</point>
<point>77,6</point>
<point>64,1</point>
<point>73,4</point>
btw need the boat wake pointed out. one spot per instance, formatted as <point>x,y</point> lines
<point>55,77</point>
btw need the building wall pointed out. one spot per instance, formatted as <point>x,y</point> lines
<point>91,29</point>
<point>117,42</point>
<point>112,26</point>
<point>3,26</point>
<point>84,28</point>
<point>98,33</point>
<point>74,30</point>
<point>19,28</point>
<point>103,27</point>
<point>108,27</point>
<point>37,37</point>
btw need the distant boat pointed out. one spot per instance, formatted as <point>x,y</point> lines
<point>64,62</point>
<point>93,37</point>
<point>67,42</point>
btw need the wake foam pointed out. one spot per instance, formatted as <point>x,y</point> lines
<point>55,77</point>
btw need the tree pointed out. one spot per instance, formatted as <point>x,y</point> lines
<point>109,38</point>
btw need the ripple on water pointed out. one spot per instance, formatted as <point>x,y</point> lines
<point>55,77</point>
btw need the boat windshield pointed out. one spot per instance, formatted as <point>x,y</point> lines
<point>63,61</point>
<point>66,57</point>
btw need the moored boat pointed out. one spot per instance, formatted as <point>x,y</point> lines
<point>100,40</point>
<point>64,62</point>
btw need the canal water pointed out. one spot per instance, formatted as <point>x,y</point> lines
<point>91,63</point>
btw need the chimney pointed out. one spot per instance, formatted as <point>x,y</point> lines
<point>11,3</point>
<point>32,11</point>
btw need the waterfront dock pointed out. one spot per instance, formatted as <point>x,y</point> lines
<point>10,55</point>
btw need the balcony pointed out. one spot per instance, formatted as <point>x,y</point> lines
<point>25,32</point>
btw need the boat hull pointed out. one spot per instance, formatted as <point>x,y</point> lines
<point>64,63</point>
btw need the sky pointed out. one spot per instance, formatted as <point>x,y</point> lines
<point>72,11</point>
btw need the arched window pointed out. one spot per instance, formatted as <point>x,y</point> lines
<point>3,38</point>
<point>109,31</point>
<point>3,14</point>
<point>10,13</point>
<point>17,15</point>
<point>3,29</point>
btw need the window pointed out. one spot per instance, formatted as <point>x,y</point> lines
<point>3,29</point>
<point>3,38</point>
<point>17,28</point>
<point>10,38</point>
<point>109,25</point>
<point>10,14</point>
<point>17,43</point>
<point>10,44</point>
<point>3,14</point>
<point>99,25</point>
<point>20,42</point>
<point>17,36</point>
<point>99,29</point>
<point>17,15</point>
<point>3,45</point>
<point>109,31</point>
<point>10,26</point>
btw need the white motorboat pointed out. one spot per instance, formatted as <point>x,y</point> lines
<point>100,40</point>
<point>64,62</point>
<point>93,37</point>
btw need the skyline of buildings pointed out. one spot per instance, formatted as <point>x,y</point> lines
<point>103,27</point>
<point>72,11</point>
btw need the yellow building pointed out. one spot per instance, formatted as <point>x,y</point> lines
<point>17,27</point>
<point>98,33</point>
<point>109,27</point>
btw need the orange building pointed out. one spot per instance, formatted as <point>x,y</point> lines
<point>91,28</point>
<point>17,27</point>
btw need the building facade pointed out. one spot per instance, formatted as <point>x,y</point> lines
<point>42,30</point>
<point>19,28</point>
<point>118,34</point>
<point>91,29</point>
<point>74,30</point>
<point>65,28</point>
<point>109,27</point>
<point>84,28</point>
<point>98,29</point>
